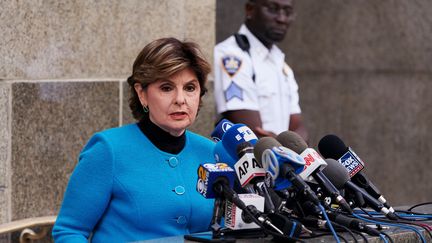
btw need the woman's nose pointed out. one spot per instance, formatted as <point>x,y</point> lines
<point>180,98</point>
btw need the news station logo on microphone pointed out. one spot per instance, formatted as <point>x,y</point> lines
<point>271,160</point>
<point>313,163</point>
<point>235,135</point>
<point>351,162</point>
<point>209,174</point>
<point>220,129</point>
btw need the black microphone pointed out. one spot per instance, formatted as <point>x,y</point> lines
<point>314,165</point>
<point>338,175</point>
<point>331,146</point>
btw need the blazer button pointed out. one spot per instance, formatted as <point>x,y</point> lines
<point>179,190</point>
<point>181,220</point>
<point>173,162</point>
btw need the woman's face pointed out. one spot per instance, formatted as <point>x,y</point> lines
<point>173,103</point>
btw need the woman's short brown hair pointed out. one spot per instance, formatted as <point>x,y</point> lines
<point>159,60</point>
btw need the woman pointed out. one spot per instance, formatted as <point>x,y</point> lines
<point>138,181</point>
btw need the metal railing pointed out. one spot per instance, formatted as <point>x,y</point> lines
<point>26,226</point>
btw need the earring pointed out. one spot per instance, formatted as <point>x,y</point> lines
<point>145,108</point>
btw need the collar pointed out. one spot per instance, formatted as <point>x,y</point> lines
<point>160,138</point>
<point>259,50</point>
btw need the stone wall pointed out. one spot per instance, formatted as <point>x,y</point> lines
<point>364,73</point>
<point>62,78</point>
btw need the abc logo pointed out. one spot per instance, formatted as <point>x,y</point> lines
<point>226,126</point>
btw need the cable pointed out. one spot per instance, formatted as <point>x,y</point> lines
<point>383,238</point>
<point>323,234</point>
<point>388,237</point>
<point>361,235</point>
<point>347,230</point>
<point>426,227</point>
<point>395,225</point>
<point>367,213</point>
<point>418,205</point>
<point>329,223</point>
<point>414,213</point>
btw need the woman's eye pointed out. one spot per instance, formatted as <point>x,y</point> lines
<point>166,88</point>
<point>190,88</point>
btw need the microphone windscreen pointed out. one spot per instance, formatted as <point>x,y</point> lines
<point>263,144</point>
<point>220,129</point>
<point>235,135</point>
<point>331,146</point>
<point>292,141</point>
<point>244,147</point>
<point>336,173</point>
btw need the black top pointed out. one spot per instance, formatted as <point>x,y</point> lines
<point>161,139</point>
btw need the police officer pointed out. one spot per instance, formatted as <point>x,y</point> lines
<point>253,84</point>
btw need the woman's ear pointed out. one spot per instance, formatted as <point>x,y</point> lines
<point>142,95</point>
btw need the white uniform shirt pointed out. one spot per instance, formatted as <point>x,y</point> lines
<point>274,93</point>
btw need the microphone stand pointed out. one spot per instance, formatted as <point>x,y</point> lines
<point>217,216</point>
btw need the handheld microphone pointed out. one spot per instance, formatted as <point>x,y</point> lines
<point>331,146</point>
<point>282,163</point>
<point>314,164</point>
<point>222,126</point>
<point>338,175</point>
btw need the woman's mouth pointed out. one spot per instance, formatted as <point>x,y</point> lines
<point>178,115</point>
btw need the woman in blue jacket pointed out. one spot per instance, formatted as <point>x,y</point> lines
<point>138,181</point>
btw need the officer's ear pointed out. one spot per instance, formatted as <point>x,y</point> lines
<point>249,8</point>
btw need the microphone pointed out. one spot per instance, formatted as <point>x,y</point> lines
<point>237,218</point>
<point>222,126</point>
<point>247,168</point>
<point>216,181</point>
<point>251,174</point>
<point>314,164</point>
<point>235,135</point>
<point>331,146</point>
<point>282,163</point>
<point>339,176</point>
<point>235,148</point>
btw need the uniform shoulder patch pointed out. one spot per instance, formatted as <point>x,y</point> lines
<point>231,64</point>
<point>233,91</point>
